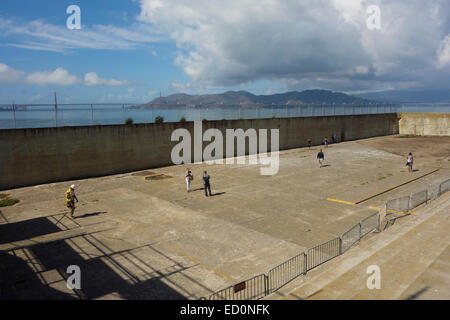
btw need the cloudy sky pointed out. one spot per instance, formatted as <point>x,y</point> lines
<point>130,50</point>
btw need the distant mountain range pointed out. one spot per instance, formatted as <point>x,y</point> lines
<point>244,98</point>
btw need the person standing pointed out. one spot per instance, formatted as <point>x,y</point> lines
<point>326,142</point>
<point>334,137</point>
<point>320,157</point>
<point>206,183</point>
<point>309,142</point>
<point>409,162</point>
<point>70,200</point>
<point>189,177</point>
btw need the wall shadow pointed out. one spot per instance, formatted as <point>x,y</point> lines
<point>39,271</point>
<point>23,230</point>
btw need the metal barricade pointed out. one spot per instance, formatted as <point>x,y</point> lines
<point>322,253</point>
<point>436,193</point>
<point>350,237</point>
<point>418,198</point>
<point>370,224</point>
<point>286,272</point>
<point>251,289</point>
<point>445,186</point>
<point>398,205</point>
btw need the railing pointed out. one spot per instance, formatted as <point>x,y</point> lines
<point>252,289</point>
<point>265,284</point>
<point>351,237</point>
<point>286,272</point>
<point>322,253</point>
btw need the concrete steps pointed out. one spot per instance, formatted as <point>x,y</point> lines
<point>406,253</point>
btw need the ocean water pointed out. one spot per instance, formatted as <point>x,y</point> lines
<point>39,117</point>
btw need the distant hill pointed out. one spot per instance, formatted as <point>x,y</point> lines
<point>244,98</point>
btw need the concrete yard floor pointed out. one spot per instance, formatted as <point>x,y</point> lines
<point>138,238</point>
<point>412,257</point>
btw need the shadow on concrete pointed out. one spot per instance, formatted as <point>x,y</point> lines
<point>326,165</point>
<point>38,271</point>
<point>3,216</point>
<point>87,215</point>
<point>418,293</point>
<point>23,230</point>
<point>217,194</point>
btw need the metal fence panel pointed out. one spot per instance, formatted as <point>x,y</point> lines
<point>322,253</point>
<point>445,186</point>
<point>370,223</point>
<point>286,272</point>
<point>399,205</point>
<point>350,237</point>
<point>418,198</point>
<point>436,193</point>
<point>251,289</point>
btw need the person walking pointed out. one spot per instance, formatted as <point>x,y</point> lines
<point>320,157</point>
<point>206,183</point>
<point>325,142</point>
<point>70,200</point>
<point>189,177</point>
<point>309,142</point>
<point>409,162</point>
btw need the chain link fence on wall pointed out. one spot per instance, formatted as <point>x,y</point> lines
<point>265,284</point>
<point>59,115</point>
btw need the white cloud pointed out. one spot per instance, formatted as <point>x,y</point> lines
<point>322,42</point>
<point>59,76</point>
<point>10,75</point>
<point>92,79</point>
<point>39,35</point>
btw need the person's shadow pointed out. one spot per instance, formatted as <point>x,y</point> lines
<point>326,165</point>
<point>217,194</point>
<point>87,215</point>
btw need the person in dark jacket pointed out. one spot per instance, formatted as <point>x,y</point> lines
<point>206,183</point>
<point>320,157</point>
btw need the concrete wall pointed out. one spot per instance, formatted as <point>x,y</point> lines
<point>44,155</point>
<point>425,124</point>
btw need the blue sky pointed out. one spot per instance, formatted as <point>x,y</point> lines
<point>147,69</point>
<point>130,50</point>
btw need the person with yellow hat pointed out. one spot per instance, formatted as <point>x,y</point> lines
<point>70,200</point>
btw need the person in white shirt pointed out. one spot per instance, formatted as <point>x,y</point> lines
<point>409,162</point>
<point>189,177</point>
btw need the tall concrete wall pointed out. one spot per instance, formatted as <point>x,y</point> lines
<point>44,155</point>
<point>425,124</point>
